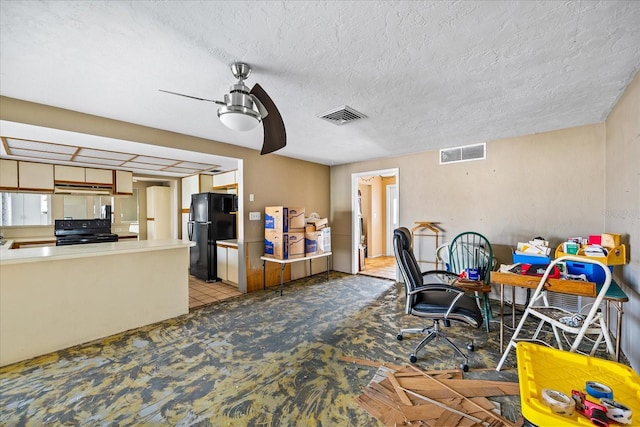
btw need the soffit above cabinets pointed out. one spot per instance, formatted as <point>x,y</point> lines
<point>32,143</point>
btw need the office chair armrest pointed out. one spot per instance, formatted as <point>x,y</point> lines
<point>439,276</point>
<point>460,293</point>
<point>436,287</point>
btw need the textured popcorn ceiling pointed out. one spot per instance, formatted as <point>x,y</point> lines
<point>428,75</point>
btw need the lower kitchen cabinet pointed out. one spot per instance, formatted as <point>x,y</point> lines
<point>227,263</point>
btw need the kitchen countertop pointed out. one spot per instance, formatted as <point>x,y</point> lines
<point>36,254</point>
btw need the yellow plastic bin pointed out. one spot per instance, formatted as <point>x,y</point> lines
<point>541,367</point>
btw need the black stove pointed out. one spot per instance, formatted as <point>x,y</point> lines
<point>80,231</point>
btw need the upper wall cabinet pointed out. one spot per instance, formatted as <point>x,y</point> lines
<point>68,173</point>
<point>225,180</point>
<point>8,174</point>
<point>75,174</point>
<point>98,176</point>
<point>35,176</point>
<point>123,181</point>
<point>195,184</point>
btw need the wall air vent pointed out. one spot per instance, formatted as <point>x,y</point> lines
<point>342,115</point>
<point>463,154</point>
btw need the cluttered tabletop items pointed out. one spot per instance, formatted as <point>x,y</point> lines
<point>533,257</point>
<point>578,276</point>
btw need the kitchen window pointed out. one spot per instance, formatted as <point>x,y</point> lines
<point>25,209</point>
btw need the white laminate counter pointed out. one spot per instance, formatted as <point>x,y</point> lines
<point>36,254</point>
<point>58,296</point>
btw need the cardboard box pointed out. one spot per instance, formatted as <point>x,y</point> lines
<point>296,219</point>
<point>274,245</point>
<point>284,219</point>
<point>609,240</point>
<point>318,223</point>
<point>310,240</point>
<point>296,243</point>
<point>284,245</point>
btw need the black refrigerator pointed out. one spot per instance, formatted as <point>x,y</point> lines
<point>212,217</point>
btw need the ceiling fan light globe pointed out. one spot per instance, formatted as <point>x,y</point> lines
<point>239,118</point>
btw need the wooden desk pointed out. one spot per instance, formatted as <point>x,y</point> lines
<point>615,296</point>
<point>284,262</point>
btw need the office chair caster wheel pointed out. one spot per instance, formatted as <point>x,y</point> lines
<point>471,347</point>
<point>399,337</point>
<point>413,358</point>
<point>464,367</point>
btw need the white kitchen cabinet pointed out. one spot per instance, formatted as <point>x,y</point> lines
<point>123,182</point>
<point>225,179</point>
<point>35,176</point>
<point>158,213</point>
<point>227,263</point>
<point>98,176</point>
<point>68,173</point>
<point>232,265</point>
<point>8,174</point>
<point>194,184</point>
<point>222,262</point>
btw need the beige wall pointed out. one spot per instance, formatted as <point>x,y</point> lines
<point>621,212</point>
<point>564,183</point>
<point>273,179</point>
<point>528,186</point>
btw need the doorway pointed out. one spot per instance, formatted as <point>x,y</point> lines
<point>376,213</point>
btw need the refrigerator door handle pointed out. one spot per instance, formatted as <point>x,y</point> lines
<point>190,230</point>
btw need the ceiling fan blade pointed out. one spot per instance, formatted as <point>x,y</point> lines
<point>192,97</point>
<point>275,135</point>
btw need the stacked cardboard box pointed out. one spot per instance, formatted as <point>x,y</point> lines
<point>284,232</point>
<point>317,236</point>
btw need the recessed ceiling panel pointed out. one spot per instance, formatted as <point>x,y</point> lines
<point>104,154</point>
<point>97,161</point>
<point>40,146</point>
<point>40,155</point>
<point>182,170</point>
<point>155,160</point>
<point>193,165</point>
<point>137,165</point>
<point>30,143</point>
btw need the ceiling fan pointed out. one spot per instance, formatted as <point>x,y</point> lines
<point>243,109</point>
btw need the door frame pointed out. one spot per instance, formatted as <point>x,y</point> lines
<point>355,225</point>
<point>389,207</point>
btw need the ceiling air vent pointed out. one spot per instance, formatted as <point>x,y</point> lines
<point>463,154</point>
<point>342,115</point>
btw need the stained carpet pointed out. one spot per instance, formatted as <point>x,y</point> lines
<point>257,360</point>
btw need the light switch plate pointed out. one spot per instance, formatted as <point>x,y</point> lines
<point>254,216</point>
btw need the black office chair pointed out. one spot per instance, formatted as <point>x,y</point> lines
<point>429,295</point>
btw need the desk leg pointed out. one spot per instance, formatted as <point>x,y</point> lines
<point>618,306</point>
<point>513,307</point>
<point>327,268</point>
<point>281,278</point>
<point>264,275</point>
<point>501,317</point>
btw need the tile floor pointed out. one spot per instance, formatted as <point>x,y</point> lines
<point>203,293</point>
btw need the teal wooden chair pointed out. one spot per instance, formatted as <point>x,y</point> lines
<point>471,253</point>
